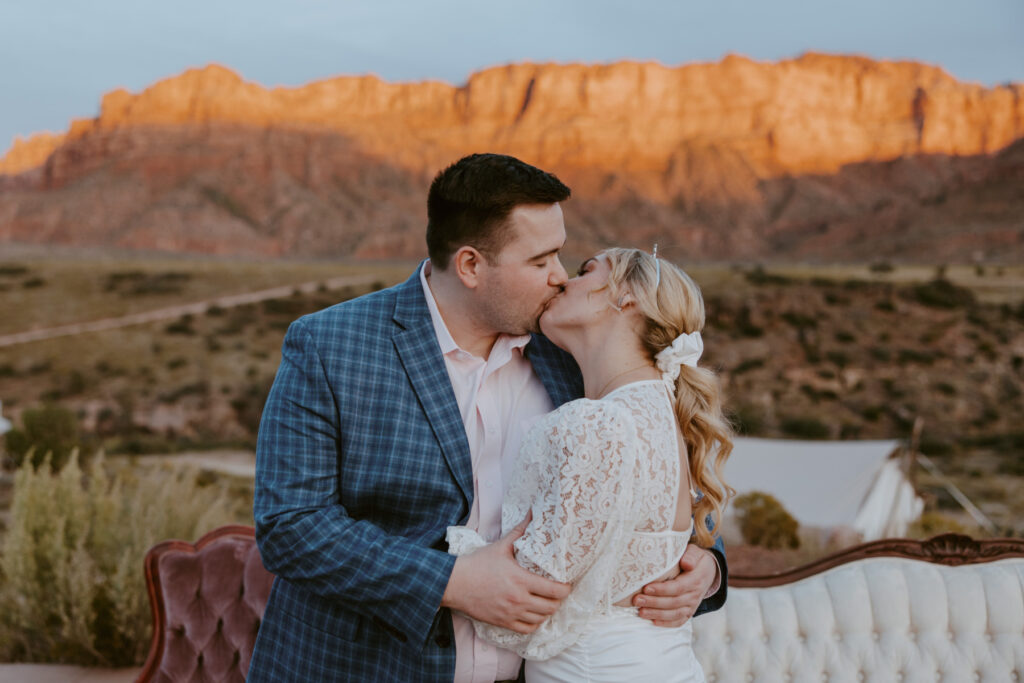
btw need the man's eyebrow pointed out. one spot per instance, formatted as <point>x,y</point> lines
<point>549,252</point>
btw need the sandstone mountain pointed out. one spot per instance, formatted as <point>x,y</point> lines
<point>816,158</point>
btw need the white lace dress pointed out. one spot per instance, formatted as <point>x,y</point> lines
<point>602,480</point>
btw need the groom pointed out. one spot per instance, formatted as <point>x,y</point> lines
<point>400,413</point>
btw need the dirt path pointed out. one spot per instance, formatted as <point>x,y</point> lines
<point>172,312</point>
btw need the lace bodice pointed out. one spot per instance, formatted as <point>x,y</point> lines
<point>602,480</point>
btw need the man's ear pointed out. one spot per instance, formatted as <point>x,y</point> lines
<point>466,264</point>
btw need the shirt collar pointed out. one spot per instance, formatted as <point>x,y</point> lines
<point>503,345</point>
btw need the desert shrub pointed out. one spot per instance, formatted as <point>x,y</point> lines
<point>747,419</point>
<point>881,267</point>
<point>933,523</point>
<point>34,283</point>
<point>941,293</point>
<point>919,356</point>
<point>765,522</point>
<point>839,358</point>
<point>181,326</point>
<point>759,276</point>
<point>885,305</point>
<point>804,428</point>
<point>12,270</point>
<point>880,353</point>
<point>49,429</point>
<point>72,587</point>
<point>748,364</point>
<point>799,320</point>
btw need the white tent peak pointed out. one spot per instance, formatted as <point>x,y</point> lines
<point>827,484</point>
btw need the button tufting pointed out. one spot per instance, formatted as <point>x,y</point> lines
<point>764,637</point>
<point>838,636</point>
<point>750,677</point>
<point>899,676</point>
<point>860,675</point>
<point>875,635</point>
<point>977,675</point>
<point>949,634</point>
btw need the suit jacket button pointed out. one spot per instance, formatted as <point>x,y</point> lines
<point>443,640</point>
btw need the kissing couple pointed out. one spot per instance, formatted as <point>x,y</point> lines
<point>492,462</point>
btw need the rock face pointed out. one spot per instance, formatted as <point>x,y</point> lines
<point>820,157</point>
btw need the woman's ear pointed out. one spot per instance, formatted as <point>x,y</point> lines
<point>467,263</point>
<point>626,300</point>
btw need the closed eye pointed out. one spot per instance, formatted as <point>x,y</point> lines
<point>584,267</point>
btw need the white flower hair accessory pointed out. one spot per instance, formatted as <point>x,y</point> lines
<point>685,350</point>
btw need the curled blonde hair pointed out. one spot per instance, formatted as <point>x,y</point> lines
<point>670,307</point>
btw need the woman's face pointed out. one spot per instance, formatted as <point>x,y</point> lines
<point>583,303</point>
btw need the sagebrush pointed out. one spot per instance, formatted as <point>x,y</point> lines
<point>72,586</point>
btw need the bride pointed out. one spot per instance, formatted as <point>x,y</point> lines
<point>610,481</point>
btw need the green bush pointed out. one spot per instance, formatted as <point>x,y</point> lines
<point>50,429</point>
<point>804,428</point>
<point>72,587</point>
<point>765,522</point>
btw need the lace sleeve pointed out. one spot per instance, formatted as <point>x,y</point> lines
<point>576,475</point>
<point>584,494</point>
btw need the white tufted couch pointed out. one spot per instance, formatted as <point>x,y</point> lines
<point>949,609</point>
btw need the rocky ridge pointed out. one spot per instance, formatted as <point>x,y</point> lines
<point>820,157</point>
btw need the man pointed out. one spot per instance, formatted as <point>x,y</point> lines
<point>398,414</point>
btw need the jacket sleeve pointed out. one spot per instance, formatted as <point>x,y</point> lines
<point>716,601</point>
<point>305,535</point>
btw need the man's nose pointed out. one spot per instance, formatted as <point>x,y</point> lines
<point>558,277</point>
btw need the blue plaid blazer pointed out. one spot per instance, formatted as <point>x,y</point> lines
<point>362,463</point>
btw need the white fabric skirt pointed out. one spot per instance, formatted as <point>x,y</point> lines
<point>623,648</point>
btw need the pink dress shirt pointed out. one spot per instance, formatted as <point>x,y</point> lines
<point>499,397</point>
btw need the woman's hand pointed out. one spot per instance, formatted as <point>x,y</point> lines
<point>672,602</point>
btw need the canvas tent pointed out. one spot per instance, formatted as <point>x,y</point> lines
<point>829,484</point>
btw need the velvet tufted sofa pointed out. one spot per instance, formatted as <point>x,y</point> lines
<point>949,609</point>
<point>207,600</point>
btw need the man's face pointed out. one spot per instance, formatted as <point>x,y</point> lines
<point>526,273</point>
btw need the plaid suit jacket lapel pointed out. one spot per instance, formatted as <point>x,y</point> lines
<point>417,347</point>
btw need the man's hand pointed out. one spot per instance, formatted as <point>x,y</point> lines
<point>672,602</point>
<point>490,586</point>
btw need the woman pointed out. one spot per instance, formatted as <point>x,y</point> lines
<point>610,480</point>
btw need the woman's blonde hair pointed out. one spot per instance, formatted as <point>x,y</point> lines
<point>671,304</point>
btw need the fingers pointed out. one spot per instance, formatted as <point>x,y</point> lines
<point>520,528</point>
<point>546,588</point>
<point>670,602</point>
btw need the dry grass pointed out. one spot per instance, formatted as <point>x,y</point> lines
<point>71,583</point>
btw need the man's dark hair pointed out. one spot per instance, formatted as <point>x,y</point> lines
<point>470,201</point>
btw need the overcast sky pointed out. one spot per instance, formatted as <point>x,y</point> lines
<point>58,57</point>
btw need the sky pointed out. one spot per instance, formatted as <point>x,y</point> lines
<point>58,57</point>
